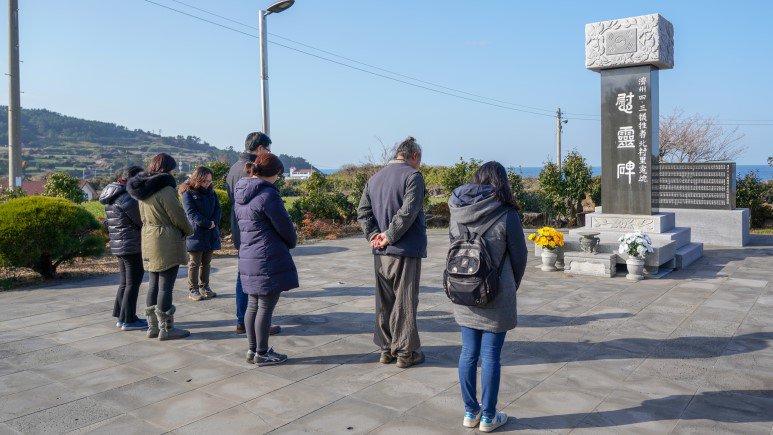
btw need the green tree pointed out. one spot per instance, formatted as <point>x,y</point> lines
<point>458,174</point>
<point>516,184</point>
<point>750,193</point>
<point>40,233</point>
<point>61,185</point>
<point>770,161</point>
<point>565,188</point>
<point>219,173</point>
<point>578,179</point>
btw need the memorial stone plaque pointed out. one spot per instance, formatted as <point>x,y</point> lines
<point>628,54</point>
<point>629,138</point>
<point>708,185</point>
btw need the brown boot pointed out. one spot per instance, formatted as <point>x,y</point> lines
<point>415,358</point>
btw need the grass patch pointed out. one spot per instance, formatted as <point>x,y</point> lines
<point>95,208</point>
<point>433,200</point>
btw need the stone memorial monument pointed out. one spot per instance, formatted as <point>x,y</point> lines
<point>679,205</point>
<point>629,54</point>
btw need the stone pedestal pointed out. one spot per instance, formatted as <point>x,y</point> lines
<point>673,247</point>
<point>714,227</point>
<point>586,263</point>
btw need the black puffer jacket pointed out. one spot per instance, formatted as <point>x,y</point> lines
<point>123,219</point>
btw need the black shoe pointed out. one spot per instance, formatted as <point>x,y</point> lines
<point>269,358</point>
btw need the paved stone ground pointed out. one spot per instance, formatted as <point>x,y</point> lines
<point>690,353</point>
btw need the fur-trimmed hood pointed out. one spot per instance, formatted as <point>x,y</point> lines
<point>145,184</point>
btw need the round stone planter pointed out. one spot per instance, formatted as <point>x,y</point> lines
<point>549,259</point>
<point>635,268</point>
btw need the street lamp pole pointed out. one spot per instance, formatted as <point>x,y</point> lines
<point>264,70</point>
<point>276,8</point>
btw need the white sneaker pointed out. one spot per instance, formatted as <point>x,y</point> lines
<point>491,424</point>
<point>472,420</point>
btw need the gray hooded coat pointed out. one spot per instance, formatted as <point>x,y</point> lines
<point>472,206</point>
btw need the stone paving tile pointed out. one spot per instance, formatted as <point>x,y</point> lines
<point>290,403</point>
<point>348,415</point>
<point>36,399</point>
<point>237,420</point>
<point>122,425</point>
<point>246,386</point>
<point>106,379</point>
<point>64,418</point>
<point>141,393</point>
<point>182,410</point>
<point>74,367</point>
<point>21,381</point>
<point>589,355</point>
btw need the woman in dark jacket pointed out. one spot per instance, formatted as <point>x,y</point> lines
<point>202,206</point>
<point>473,206</point>
<point>124,225</point>
<point>266,268</point>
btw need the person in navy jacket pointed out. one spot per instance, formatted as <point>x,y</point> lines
<point>266,268</point>
<point>202,207</point>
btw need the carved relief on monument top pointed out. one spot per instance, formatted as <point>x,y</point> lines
<point>621,223</point>
<point>642,40</point>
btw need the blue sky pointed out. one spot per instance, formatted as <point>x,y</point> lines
<point>143,66</point>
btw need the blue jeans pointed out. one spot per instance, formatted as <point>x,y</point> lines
<point>241,300</point>
<point>487,346</point>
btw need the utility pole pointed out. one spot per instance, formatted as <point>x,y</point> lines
<point>559,129</point>
<point>14,96</point>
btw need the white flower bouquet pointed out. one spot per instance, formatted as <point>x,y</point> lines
<point>636,245</point>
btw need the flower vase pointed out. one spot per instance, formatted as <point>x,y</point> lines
<point>549,259</point>
<point>635,268</point>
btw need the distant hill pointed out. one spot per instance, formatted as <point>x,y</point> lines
<point>55,142</point>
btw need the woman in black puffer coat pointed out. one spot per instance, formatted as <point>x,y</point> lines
<point>124,225</point>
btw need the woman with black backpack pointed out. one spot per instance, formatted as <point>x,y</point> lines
<point>486,210</point>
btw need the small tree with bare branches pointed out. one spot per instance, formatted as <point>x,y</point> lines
<point>695,138</point>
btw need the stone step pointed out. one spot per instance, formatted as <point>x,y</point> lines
<point>688,254</point>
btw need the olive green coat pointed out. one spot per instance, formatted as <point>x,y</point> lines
<point>164,229</point>
<point>164,223</point>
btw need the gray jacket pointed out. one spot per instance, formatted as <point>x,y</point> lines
<point>472,206</point>
<point>235,174</point>
<point>393,203</point>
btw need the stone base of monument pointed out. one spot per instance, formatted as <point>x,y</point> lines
<point>673,247</point>
<point>714,227</point>
<point>586,263</point>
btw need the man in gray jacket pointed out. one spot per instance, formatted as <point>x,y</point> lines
<point>392,217</point>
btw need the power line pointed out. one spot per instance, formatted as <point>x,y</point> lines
<point>576,117</point>
<point>551,111</point>
<point>347,65</point>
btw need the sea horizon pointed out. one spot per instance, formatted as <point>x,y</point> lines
<point>765,172</point>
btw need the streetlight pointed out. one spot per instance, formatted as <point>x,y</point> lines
<point>276,8</point>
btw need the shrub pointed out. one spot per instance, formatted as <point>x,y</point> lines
<point>331,206</point>
<point>458,174</point>
<point>219,173</point>
<point>565,188</point>
<point>749,193</point>
<point>61,185</point>
<point>9,194</point>
<point>40,233</point>
<point>225,217</point>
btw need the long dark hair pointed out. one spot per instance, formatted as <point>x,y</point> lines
<point>494,174</point>
<point>162,162</point>
<point>196,181</point>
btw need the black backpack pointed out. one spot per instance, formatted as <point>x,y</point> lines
<point>470,277</point>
